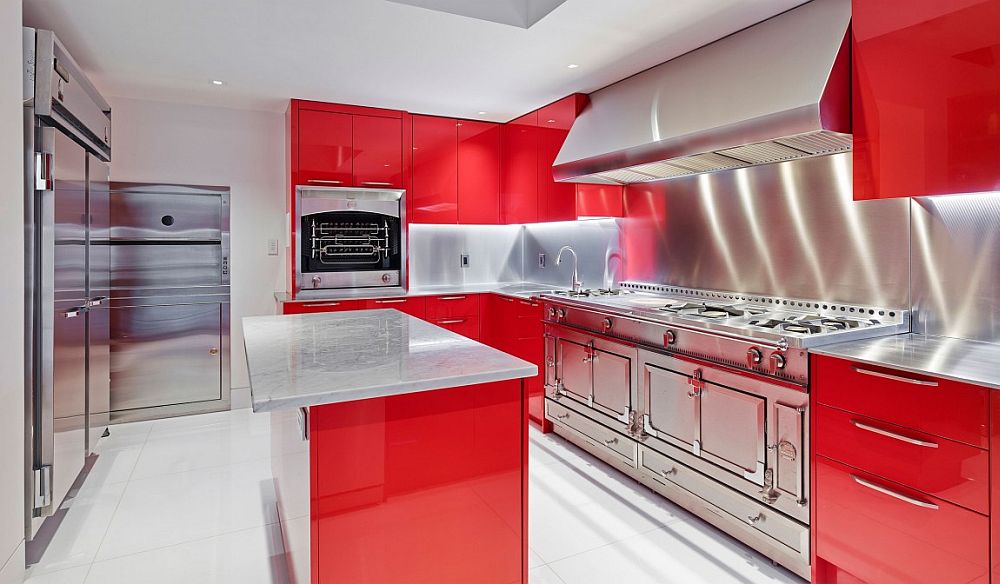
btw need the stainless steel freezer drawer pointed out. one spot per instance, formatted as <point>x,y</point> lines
<point>152,212</point>
<point>165,266</point>
<point>166,355</point>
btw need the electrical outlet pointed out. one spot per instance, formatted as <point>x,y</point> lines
<point>272,247</point>
<point>541,260</point>
<point>465,260</point>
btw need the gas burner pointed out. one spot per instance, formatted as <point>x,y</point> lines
<point>811,324</point>
<point>591,292</point>
<point>712,311</point>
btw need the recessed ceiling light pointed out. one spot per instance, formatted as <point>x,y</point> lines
<point>572,65</point>
<point>218,82</point>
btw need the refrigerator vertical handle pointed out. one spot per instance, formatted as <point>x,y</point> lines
<point>44,403</point>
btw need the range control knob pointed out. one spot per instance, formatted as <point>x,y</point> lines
<point>754,356</point>
<point>607,324</point>
<point>560,314</point>
<point>778,360</point>
<point>552,312</point>
<point>669,337</point>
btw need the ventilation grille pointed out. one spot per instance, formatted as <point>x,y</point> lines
<point>778,150</point>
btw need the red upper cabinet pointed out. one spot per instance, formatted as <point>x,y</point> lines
<point>378,151</point>
<point>434,193</point>
<point>325,149</point>
<point>556,201</point>
<point>926,97</point>
<point>478,172</point>
<point>600,200</point>
<point>519,170</point>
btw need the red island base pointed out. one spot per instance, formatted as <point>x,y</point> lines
<point>427,487</point>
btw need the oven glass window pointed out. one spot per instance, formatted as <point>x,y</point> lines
<point>350,241</point>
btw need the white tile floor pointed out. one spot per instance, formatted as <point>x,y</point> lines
<point>190,500</point>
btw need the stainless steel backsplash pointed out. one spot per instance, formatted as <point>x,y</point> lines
<point>789,229</point>
<point>435,254</point>
<point>597,242</point>
<point>956,266</point>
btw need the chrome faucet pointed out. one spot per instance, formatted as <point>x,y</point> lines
<point>577,284</point>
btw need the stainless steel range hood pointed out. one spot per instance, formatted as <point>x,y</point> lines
<point>776,91</point>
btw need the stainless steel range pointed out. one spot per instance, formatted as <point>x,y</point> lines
<point>702,396</point>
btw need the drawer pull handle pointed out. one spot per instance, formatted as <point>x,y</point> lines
<point>399,301</point>
<point>452,321</point>
<point>669,472</point>
<point>325,182</point>
<point>894,435</point>
<point>321,303</point>
<point>453,298</point>
<point>755,519</point>
<point>562,416</point>
<point>909,380</point>
<point>893,494</point>
<point>377,183</point>
<point>611,441</point>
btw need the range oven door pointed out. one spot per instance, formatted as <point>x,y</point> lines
<point>350,238</point>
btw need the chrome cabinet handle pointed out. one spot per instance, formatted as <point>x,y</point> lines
<point>452,297</point>
<point>399,301</point>
<point>893,494</point>
<point>325,182</point>
<point>611,441</point>
<point>755,519</point>
<point>893,435</point>
<point>909,380</point>
<point>452,321</point>
<point>74,312</point>
<point>562,416</point>
<point>377,183</point>
<point>321,303</point>
<point>667,473</point>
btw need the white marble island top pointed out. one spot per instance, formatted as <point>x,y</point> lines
<point>314,359</point>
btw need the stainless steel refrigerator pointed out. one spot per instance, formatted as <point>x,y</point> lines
<point>67,129</point>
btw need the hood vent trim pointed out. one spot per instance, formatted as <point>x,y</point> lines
<point>672,121</point>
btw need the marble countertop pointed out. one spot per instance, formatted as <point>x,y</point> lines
<point>516,289</point>
<point>314,359</point>
<point>960,360</point>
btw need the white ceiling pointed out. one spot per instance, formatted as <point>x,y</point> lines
<point>377,52</point>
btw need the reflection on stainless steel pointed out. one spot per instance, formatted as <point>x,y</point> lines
<point>597,241</point>
<point>696,232</point>
<point>98,314</point>
<point>575,284</point>
<point>948,358</point>
<point>169,300</point>
<point>956,266</point>
<point>777,91</point>
<point>494,254</point>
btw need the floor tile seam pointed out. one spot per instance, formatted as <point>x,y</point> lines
<point>133,479</point>
<point>185,542</point>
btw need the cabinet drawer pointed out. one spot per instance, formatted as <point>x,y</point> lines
<point>529,319</point>
<point>880,531</point>
<point>451,306</point>
<point>953,471</point>
<point>600,435</point>
<point>935,406</point>
<point>322,306</point>
<point>467,326</point>
<point>414,306</point>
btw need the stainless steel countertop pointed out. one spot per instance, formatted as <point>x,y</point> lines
<point>960,360</point>
<point>515,289</point>
<point>315,359</point>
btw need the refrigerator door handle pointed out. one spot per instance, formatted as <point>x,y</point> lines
<point>44,406</point>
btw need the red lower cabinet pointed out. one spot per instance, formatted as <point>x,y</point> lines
<point>428,487</point>
<point>514,325</point>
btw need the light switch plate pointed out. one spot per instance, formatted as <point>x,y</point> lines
<point>465,260</point>
<point>541,260</point>
<point>272,247</point>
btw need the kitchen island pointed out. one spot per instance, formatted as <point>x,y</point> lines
<point>399,448</point>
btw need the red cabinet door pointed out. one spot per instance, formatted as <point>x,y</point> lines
<point>378,147</point>
<point>434,191</point>
<point>325,149</point>
<point>599,200</point>
<point>556,201</point>
<point>519,170</point>
<point>478,173</point>
<point>926,97</point>
<point>452,305</point>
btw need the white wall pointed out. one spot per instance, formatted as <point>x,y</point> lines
<point>177,143</point>
<point>11,295</point>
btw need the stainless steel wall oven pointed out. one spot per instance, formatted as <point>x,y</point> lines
<point>350,238</point>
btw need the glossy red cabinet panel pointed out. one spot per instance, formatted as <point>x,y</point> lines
<point>321,306</point>
<point>600,200</point>
<point>378,147</point>
<point>514,326</point>
<point>412,305</point>
<point>467,326</point>
<point>926,97</point>
<point>950,470</point>
<point>936,406</point>
<point>452,305</point>
<point>428,487</point>
<point>995,482</point>
<point>325,148</point>
<point>434,194</point>
<point>478,172</point>
<point>519,170</point>
<point>556,201</point>
<point>882,532</point>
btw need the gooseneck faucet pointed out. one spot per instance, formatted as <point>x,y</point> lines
<point>577,284</point>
